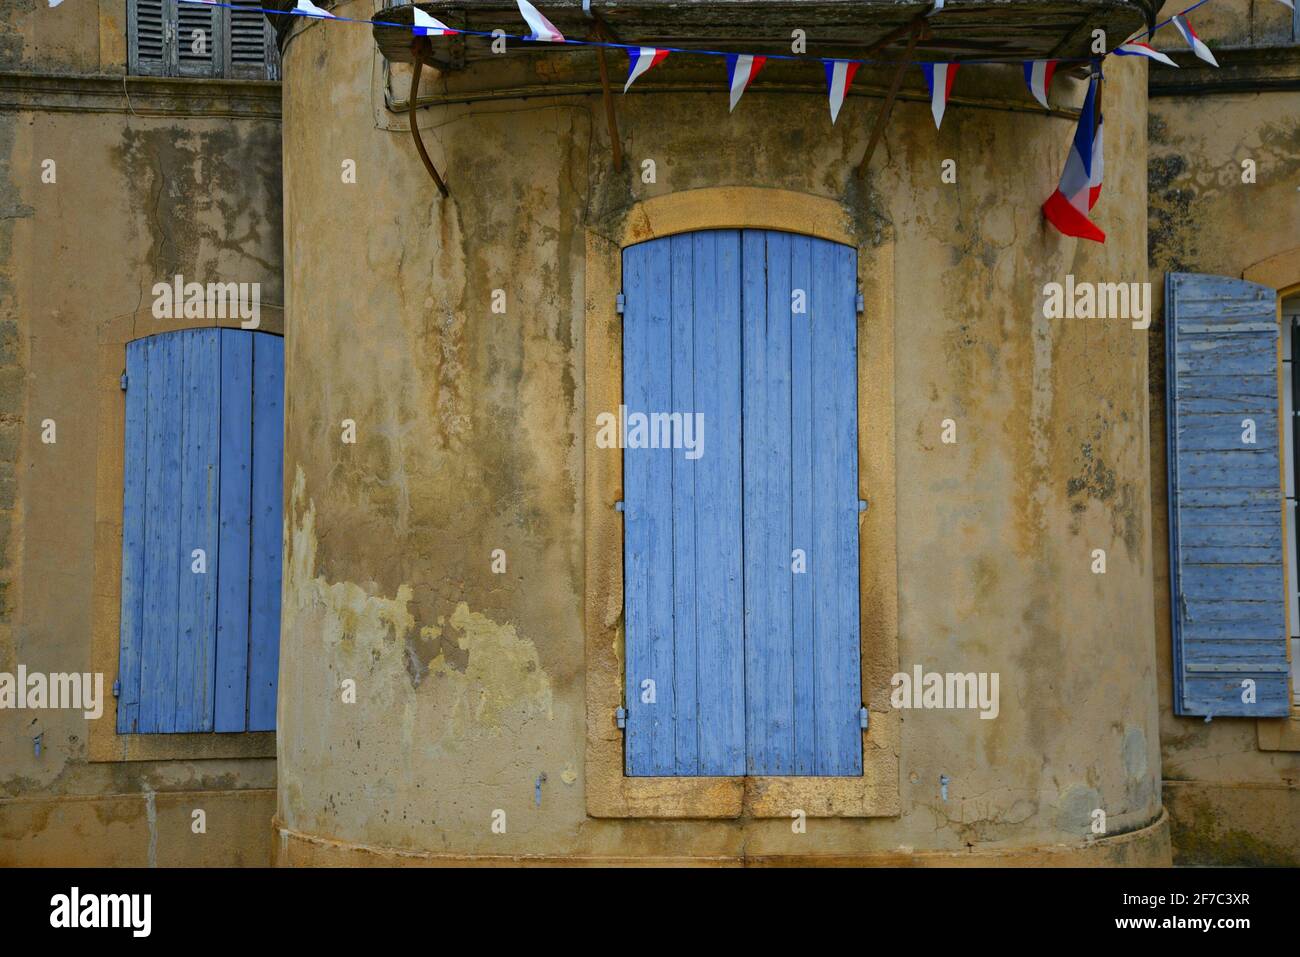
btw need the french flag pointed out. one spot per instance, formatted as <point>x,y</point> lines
<point>1038,76</point>
<point>427,26</point>
<point>1067,208</point>
<point>939,77</point>
<point>839,76</point>
<point>309,9</point>
<point>543,29</point>
<point>741,70</point>
<point>642,59</point>
<point>1133,48</point>
<point>1199,48</point>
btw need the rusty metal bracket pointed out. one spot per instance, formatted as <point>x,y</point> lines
<point>420,48</point>
<point>917,29</point>
<point>603,32</point>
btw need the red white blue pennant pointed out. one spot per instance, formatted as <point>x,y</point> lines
<point>307,8</point>
<point>543,29</point>
<point>427,26</point>
<point>839,77</point>
<point>1038,77</point>
<point>1133,48</point>
<point>939,77</point>
<point>642,59</point>
<point>1067,208</point>
<point>741,70</point>
<point>1198,47</point>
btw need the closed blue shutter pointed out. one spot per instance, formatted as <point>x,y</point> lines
<point>755,667</point>
<point>802,652</point>
<point>682,546</point>
<point>1225,498</point>
<point>202,470</point>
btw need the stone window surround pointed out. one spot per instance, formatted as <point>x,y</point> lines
<point>609,793</point>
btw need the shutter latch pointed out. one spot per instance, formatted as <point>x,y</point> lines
<point>861,304</point>
<point>620,717</point>
<point>618,303</point>
<point>864,718</point>
<point>117,688</point>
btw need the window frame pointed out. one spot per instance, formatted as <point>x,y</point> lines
<point>609,792</point>
<point>105,744</point>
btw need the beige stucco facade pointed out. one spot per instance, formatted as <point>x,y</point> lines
<point>425,694</point>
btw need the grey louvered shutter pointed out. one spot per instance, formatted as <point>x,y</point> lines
<point>148,35</point>
<point>252,50</point>
<point>1227,580</point>
<point>200,38</point>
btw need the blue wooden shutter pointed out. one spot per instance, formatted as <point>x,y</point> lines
<point>1225,497</point>
<point>202,470</point>
<point>802,652</point>
<point>682,517</point>
<point>756,669</point>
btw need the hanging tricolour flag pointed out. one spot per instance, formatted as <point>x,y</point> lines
<point>1067,208</point>
<point>741,70</point>
<point>1133,48</point>
<point>309,9</point>
<point>1038,77</point>
<point>542,28</point>
<point>427,26</point>
<point>1198,46</point>
<point>939,76</point>
<point>839,77</point>
<point>1094,174</point>
<point>642,59</point>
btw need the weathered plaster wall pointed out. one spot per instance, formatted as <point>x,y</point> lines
<point>1229,800</point>
<point>470,425</point>
<point>176,178</point>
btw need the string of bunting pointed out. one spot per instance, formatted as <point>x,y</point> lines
<point>1067,209</point>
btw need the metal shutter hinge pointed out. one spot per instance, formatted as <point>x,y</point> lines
<point>618,303</point>
<point>861,303</point>
<point>862,505</point>
<point>117,688</point>
<point>123,381</point>
<point>620,717</point>
<point>619,505</point>
<point>864,718</point>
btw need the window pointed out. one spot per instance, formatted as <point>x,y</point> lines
<point>741,552</point>
<point>185,38</point>
<point>1228,589</point>
<point>201,532</point>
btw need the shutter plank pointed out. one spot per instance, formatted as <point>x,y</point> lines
<point>192,18</point>
<point>196,619</point>
<point>164,557</point>
<point>648,516</point>
<point>802,388</point>
<point>134,476</point>
<point>147,45</point>
<point>686,547</point>
<point>267,530</point>
<point>251,52</point>
<point>1225,498</point>
<point>719,580</point>
<point>236,512</point>
<point>768,506</point>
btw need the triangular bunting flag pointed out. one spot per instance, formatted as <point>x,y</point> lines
<point>1199,48</point>
<point>1067,208</point>
<point>839,77</point>
<point>741,70</point>
<point>543,29</point>
<point>1038,77</point>
<point>1288,3</point>
<point>309,9</point>
<point>642,59</point>
<point>1098,162</point>
<point>939,77</point>
<point>427,26</point>
<point>1133,48</point>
